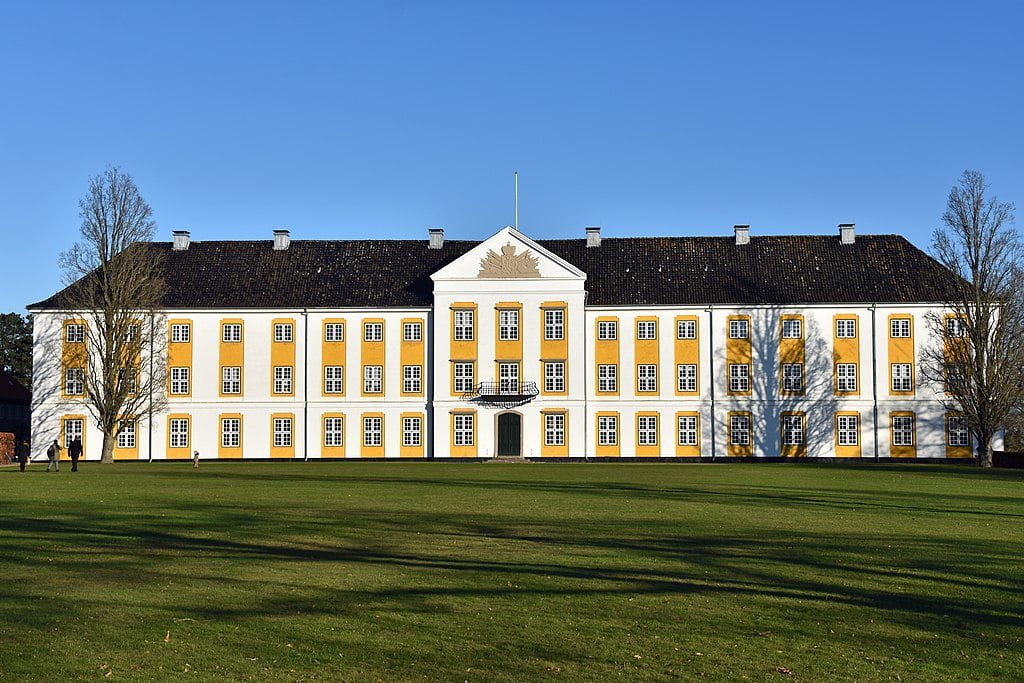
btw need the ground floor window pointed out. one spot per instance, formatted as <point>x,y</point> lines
<point>554,429</point>
<point>687,427</point>
<point>464,429</point>
<point>957,433</point>
<point>793,430</point>
<point>334,432</point>
<point>282,432</point>
<point>72,430</point>
<point>411,431</point>
<point>647,430</point>
<point>231,432</point>
<point>178,430</point>
<point>607,430</point>
<point>126,434</point>
<point>739,430</point>
<point>902,430</point>
<point>373,431</point>
<point>848,429</point>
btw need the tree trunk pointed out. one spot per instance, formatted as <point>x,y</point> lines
<point>986,456</point>
<point>108,448</point>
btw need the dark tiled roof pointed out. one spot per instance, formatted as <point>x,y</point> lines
<point>12,391</point>
<point>622,271</point>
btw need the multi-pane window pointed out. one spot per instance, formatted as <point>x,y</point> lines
<point>554,377</point>
<point>132,333</point>
<point>411,431</point>
<point>412,379</point>
<point>74,333</point>
<point>792,376</point>
<point>646,378</point>
<point>334,332</point>
<point>647,430</point>
<point>464,429</point>
<point>846,328</point>
<point>373,431</point>
<point>181,333</point>
<point>373,379</point>
<point>848,428</point>
<point>902,430</point>
<point>508,378</point>
<point>463,325</point>
<point>463,373</point>
<point>902,377</point>
<point>334,379</point>
<point>231,432</point>
<point>231,380</point>
<point>508,325</point>
<point>846,377</point>
<point>739,430</point>
<point>647,329</point>
<point>687,430</point>
<point>739,329</point>
<point>955,377</point>
<point>74,381</point>
<point>126,434</point>
<point>283,332</point>
<point>231,332</point>
<point>334,432</point>
<point>955,327</point>
<point>686,378</point>
<point>607,329</point>
<point>127,380</point>
<point>283,379</point>
<point>412,332</point>
<point>957,433</point>
<point>607,430</point>
<point>179,380</point>
<point>792,328</point>
<point>899,328</point>
<point>373,332</point>
<point>793,430</point>
<point>739,378</point>
<point>554,324</point>
<point>554,429</point>
<point>282,432</point>
<point>608,378</point>
<point>72,430</point>
<point>178,430</point>
<point>686,329</point>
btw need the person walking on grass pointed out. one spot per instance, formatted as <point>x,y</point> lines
<point>53,456</point>
<point>75,451</point>
<point>195,460</point>
<point>22,452</point>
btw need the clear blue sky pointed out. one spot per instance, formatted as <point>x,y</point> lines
<point>372,120</point>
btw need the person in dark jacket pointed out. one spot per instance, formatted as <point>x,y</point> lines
<point>22,451</point>
<point>75,452</point>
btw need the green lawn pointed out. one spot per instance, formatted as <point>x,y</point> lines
<point>383,571</point>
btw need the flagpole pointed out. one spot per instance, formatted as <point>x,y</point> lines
<point>517,199</point>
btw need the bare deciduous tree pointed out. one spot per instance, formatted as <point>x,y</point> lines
<point>979,355</point>
<point>116,290</point>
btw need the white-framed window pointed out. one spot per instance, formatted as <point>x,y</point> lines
<point>178,432</point>
<point>128,380</point>
<point>334,379</point>
<point>846,328</point>
<point>956,377</point>
<point>848,428</point>
<point>508,325</point>
<point>231,332</point>
<point>72,430</point>
<point>646,378</point>
<point>646,329</point>
<point>957,433</point>
<point>463,324</point>
<point>412,379</point>
<point>180,380</point>
<point>554,377</point>
<point>608,378</point>
<point>334,332</point>
<point>282,432</point>
<point>74,381</point>
<point>955,327</point>
<point>412,332</point>
<point>334,432</point>
<point>463,375</point>
<point>607,430</point>
<point>846,377</point>
<point>792,328</point>
<point>231,380</point>
<point>739,328</point>
<point>373,332</point>
<point>181,333</point>
<point>899,328</point>
<point>739,378</point>
<point>647,430</point>
<point>739,430</point>
<point>793,377</point>
<point>554,324</point>
<point>607,330</point>
<point>282,379</point>
<point>230,432</point>
<point>902,430</point>
<point>464,429</point>
<point>74,333</point>
<point>126,434</point>
<point>373,379</point>
<point>687,430</point>
<point>373,431</point>
<point>554,429</point>
<point>793,430</point>
<point>283,332</point>
<point>686,329</point>
<point>508,378</point>
<point>132,332</point>
<point>412,431</point>
<point>686,378</point>
<point>902,377</point>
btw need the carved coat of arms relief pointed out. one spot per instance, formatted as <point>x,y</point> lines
<point>508,264</point>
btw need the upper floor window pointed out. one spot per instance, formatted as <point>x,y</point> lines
<point>686,329</point>
<point>283,332</point>
<point>955,327</point>
<point>739,329</point>
<point>607,329</point>
<point>334,332</point>
<point>846,328</point>
<point>464,325</point>
<point>283,379</point>
<point>412,332</point>
<point>132,332</point>
<point>846,377</point>
<point>554,377</point>
<point>792,377</point>
<point>231,332</point>
<point>463,377</point>
<point>231,380</point>
<point>647,329</point>
<point>179,380</point>
<point>74,381</point>
<point>686,378</point>
<point>607,378</point>
<point>554,324</point>
<point>74,333</point>
<point>127,380</point>
<point>646,378</point>
<point>373,379</point>
<point>181,333</point>
<point>334,379</point>
<point>899,328</point>
<point>739,378</point>
<point>902,377</point>
<point>792,328</point>
<point>412,379</point>
<point>373,332</point>
<point>508,325</point>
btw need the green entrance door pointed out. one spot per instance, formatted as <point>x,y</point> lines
<point>510,434</point>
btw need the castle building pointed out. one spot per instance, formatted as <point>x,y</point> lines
<point>667,347</point>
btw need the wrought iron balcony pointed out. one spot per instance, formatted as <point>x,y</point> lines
<point>502,394</point>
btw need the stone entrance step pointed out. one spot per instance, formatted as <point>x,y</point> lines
<point>508,458</point>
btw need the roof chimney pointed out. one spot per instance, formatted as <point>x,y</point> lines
<point>846,233</point>
<point>181,240</point>
<point>594,236</point>
<point>436,237</point>
<point>282,238</point>
<point>742,234</point>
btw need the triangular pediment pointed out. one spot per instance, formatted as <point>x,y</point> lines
<point>508,255</point>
